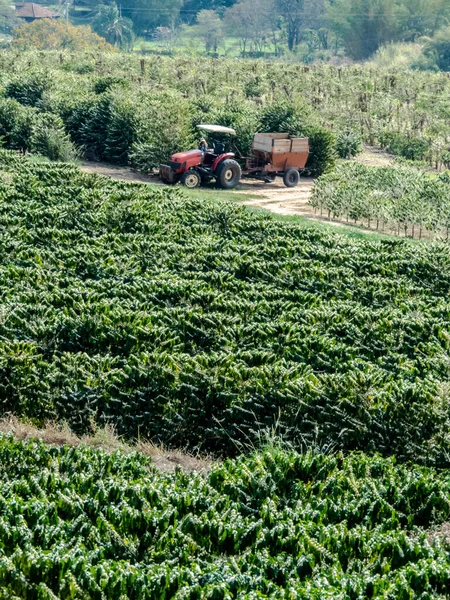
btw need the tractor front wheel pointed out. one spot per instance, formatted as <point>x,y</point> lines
<point>175,180</point>
<point>191,179</point>
<point>228,174</point>
<point>291,178</point>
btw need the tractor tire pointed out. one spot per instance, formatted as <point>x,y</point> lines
<point>228,174</point>
<point>291,178</point>
<point>191,179</point>
<point>168,182</point>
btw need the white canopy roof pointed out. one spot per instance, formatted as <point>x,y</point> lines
<point>217,129</point>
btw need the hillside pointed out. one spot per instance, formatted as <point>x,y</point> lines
<point>201,325</point>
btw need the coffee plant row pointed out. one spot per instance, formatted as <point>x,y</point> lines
<point>121,108</point>
<point>200,324</point>
<point>404,198</point>
<point>82,523</point>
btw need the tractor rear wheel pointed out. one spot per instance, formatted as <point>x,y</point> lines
<point>191,179</point>
<point>291,178</point>
<point>228,174</point>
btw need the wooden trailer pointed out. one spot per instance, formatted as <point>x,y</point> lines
<point>277,154</point>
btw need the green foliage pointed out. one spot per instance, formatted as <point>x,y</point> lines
<point>411,147</point>
<point>399,55</point>
<point>16,124</point>
<point>28,89</point>
<point>164,128</point>
<point>198,324</point>
<point>146,16</point>
<point>367,25</point>
<point>349,144</point>
<point>116,30</point>
<point>48,137</point>
<point>395,195</point>
<point>241,116</point>
<point>82,523</point>
<point>438,49</point>
<point>88,126</point>
<point>93,94</point>
<point>121,130</point>
<point>105,83</point>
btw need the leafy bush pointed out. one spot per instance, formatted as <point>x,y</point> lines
<point>16,123</point>
<point>199,324</point>
<point>56,34</point>
<point>387,195</point>
<point>164,127</point>
<point>411,147</point>
<point>89,126</point>
<point>122,128</point>
<point>398,55</point>
<point>437,48</point>
<point>104,84</point>
<point>28,89</point>
<point>50,139</point>
<point>446,158</point>
<point>78,66</point>
<point>349,144</point>
<point>254,87</point>
<point>85,523</point>
<point>241,116</point>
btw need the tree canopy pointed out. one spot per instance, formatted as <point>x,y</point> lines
<point>52,34</point>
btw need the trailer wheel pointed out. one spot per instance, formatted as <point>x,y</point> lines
<point>191,179</point>
<point>228,174</point>
<point>291,178</point>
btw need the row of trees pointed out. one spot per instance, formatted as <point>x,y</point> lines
<point>359,26</point>
<point>318,28</point>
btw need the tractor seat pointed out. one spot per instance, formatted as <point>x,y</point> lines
<point>219,147</point>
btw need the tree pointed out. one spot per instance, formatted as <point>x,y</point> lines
<point>52,34</point>
<point>116,30</point>
<point>292,14</point>
<point>192,8</point>
<point>251,21</point>
<point>438,49</point>
<point>147,15</point>
<point>421,17</point>
<point>210,29</point>
<point>8,19</point>
<point>364,25</point>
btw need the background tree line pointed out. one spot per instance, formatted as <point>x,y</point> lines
<point>310,29</point>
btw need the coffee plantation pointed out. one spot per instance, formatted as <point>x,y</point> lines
<point>400,199</point>
<point>127,109</point>
<point>81,523</point>
<point>282,350</point>
<point>201,325</point>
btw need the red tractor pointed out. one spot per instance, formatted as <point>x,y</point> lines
<point>205,164</point>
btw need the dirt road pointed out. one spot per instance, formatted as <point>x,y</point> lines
<point>270,196</point>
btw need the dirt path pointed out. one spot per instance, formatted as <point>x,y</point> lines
<point>283,201</point>
<point>270,196</point>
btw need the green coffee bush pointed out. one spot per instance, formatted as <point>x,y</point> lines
<point>410,146</point>
<point>349,144</point>
<point>50,139</point>
<point>28,89</point>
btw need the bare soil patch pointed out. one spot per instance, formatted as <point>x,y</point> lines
<point>106,439</point>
